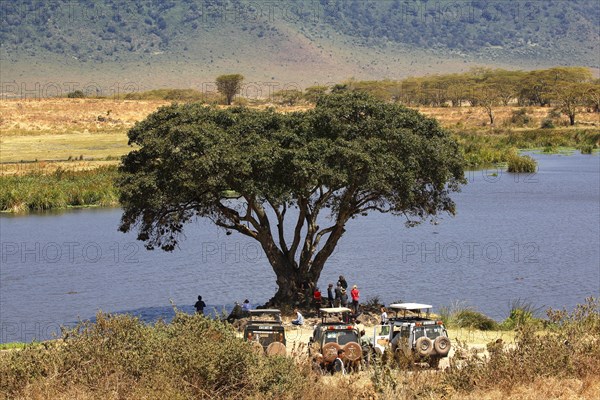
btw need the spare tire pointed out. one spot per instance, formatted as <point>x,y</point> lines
<point>424,346</point>
<point>353,351</point>
<point>330,351</point>
<point>442,345</point>
<point>276,349</point>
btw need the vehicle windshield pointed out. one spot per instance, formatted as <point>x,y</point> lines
<point>265,338</point>
<point>431,332</point>
<point>341,337</point>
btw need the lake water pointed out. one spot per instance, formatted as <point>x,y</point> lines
<point>533,238</point>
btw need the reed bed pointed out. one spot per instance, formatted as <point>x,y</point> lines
<point>60,189</point>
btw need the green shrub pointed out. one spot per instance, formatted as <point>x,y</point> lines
<point>521,313</point>
<point>547,123</point>
<point>60,189</point>
<point>586,149</point>
<point>519,164</point>
<point>120,357</point>
<point>472,319</point>
<point>77,94</point>
<point>571,350</point>
<point>520,117</point>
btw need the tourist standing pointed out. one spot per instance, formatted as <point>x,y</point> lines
<point>384,316</point>
<point>330,297</point>
<point>200,305</point>
<point>344,298</point>
<point>338,294</point>
<point>342,282</point>
<point>317,299</point>
<point>355,294</point>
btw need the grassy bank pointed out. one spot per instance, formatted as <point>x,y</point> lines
<point>60,189</point>
<point>484,148</point>
<point>62,185</point>
<point>194,357</point>
<point>85,134</point>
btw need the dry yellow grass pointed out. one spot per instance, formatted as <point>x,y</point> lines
<point>541,389</point>
<point>59,129</point>
<point>54,116</point>
<point>476,117</point>
<point>45,167</point>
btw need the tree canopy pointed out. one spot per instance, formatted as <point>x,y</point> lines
<point>229,85</point>
<point>349,155</point>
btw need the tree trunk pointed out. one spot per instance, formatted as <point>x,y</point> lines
<point>572,118</point>
<point>295,286</point>
<point>491,115</point>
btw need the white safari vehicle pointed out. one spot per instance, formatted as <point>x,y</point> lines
<point>333,334</point>
<point>411,336</point>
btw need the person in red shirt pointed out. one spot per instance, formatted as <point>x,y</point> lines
<point>355,294</point>
<point>317,298</point>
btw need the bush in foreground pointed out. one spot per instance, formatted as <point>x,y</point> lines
<point>570,349</point>
<point>121,357</point>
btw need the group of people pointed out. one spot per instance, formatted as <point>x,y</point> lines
<point>238,311</point>
<point>338,296</point>
<point>337,367</point>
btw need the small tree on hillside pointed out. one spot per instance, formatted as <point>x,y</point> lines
<point>229,85</point>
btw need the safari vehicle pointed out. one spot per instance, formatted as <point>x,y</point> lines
<point>266,332</point>
<point>332,334</point>
<point>411,336</point>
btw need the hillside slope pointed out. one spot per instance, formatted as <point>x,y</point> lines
<point>295,42</point>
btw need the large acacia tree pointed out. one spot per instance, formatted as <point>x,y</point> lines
<point>349,155</point>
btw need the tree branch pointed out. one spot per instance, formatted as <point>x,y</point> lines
<point>280,218</point>
<point>298,229</point>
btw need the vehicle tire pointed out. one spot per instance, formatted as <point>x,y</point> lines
<point>330,351</point>
<point>442,345</point>
<point>353,351</point>
<point>276,349</point>
<point>424,346</point>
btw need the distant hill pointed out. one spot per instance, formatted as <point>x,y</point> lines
<point>186,43</point>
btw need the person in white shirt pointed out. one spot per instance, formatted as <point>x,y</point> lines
<point>338,363</point>
<point>299,318</point>
<point>384,316</point>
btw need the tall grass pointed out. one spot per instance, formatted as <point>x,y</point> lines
<point>194,357</point>
<point>176,95</point>
<point>60,189</point>
<point>500,145</point>
<point>518,164</point>
<point>570,351</point>
<point>462,316</point>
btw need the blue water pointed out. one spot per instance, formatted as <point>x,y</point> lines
<point>533,238</point>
